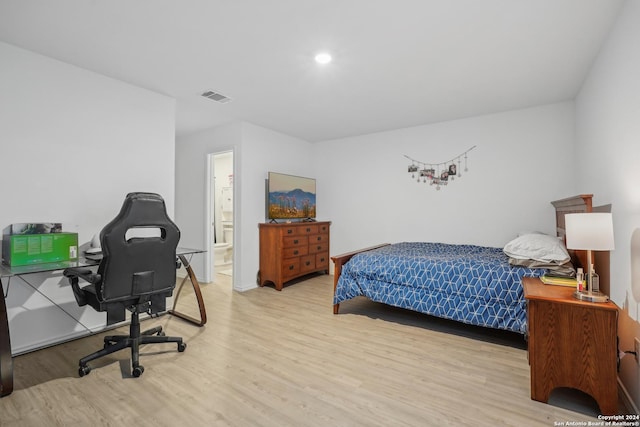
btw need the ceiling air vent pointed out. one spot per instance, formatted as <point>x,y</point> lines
<point>218,97</point>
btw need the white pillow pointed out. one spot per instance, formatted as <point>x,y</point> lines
<point>539,247</point>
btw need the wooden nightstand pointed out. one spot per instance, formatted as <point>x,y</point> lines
<point>571,344</point>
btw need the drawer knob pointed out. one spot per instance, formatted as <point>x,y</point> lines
<point>295,241</point>
<point>319,238</point>
<point>308,230</point>
<point>289,231</point>
<point>308,262</point>
<point>295,252</point>
<point>291,267</point>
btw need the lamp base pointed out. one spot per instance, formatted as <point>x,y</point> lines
<point>591,296</point>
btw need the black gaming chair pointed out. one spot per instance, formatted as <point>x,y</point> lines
<point>137,273</point>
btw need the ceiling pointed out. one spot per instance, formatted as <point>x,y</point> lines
<point>396,63</point>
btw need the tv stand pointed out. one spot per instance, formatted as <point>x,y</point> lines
<point>288,251</point>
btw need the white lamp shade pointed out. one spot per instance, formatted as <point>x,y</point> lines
<point>589,231</point>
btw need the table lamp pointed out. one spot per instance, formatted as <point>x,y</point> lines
<point>590,232</point>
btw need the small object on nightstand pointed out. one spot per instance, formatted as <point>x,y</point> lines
<point>580,280</point>
<point>559,281</point>
<point>595,280</point>
<point>594,294</point>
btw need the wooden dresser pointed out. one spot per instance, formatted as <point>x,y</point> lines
<point>571,344</point>
<point>288,251</point>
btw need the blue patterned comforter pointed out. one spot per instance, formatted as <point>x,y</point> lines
<point>466,283</point>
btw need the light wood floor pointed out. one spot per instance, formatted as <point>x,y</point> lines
<point>268,358</point>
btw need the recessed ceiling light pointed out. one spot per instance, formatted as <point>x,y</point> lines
<point>323,58</point>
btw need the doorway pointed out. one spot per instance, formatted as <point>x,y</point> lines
<point>221,214</point>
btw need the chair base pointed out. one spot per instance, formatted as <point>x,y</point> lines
<point>134,340</point>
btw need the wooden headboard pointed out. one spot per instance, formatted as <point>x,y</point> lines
<point>577,204</point>
<point>581,204</point>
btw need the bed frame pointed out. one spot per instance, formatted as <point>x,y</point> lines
<point>577,204</point>
<point>340,260</point>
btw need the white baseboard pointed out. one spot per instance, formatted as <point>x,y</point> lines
<point>243,288</point>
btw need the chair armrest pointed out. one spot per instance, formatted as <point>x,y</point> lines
<point>76,273</point>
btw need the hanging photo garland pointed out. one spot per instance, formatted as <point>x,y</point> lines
<point>438,173</point>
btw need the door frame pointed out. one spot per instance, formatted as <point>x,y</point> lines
<point>209,216</point>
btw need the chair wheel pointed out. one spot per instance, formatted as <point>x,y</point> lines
<point>182,346</point>
<point>84,370</point>
<point>137,371</point>
<point>161,334</point>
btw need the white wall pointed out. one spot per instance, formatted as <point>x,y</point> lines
<point>256,151</point>
<point>264,150</point>
<point>522,162</point>
<point>608,150</point>
<point>74,143</point>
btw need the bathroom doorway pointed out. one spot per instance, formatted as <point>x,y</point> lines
<point>221,212</point>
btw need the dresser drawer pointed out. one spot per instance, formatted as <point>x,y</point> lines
<point>307,263</point>
<point>289,231</point>
<point>291,267</point>
<point>322,260</point>
<point>294,241</point>
<point>295,251</point>
<point>314,247</point>
<point>318,238</point>
<point>308,229</point>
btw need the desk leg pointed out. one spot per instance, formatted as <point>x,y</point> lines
<point>6,362</point>
<point>196,287</point>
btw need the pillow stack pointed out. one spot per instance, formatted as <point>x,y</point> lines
<point>537,250</point>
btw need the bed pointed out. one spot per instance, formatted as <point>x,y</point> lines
<point>472,284</point>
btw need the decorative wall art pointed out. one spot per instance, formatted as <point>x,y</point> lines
<point>438,174</point>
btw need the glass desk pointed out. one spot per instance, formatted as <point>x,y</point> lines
<point>49,303</point>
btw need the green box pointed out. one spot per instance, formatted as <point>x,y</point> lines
<point>30,249</point>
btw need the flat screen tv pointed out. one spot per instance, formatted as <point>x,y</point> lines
<point>290,197</point>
